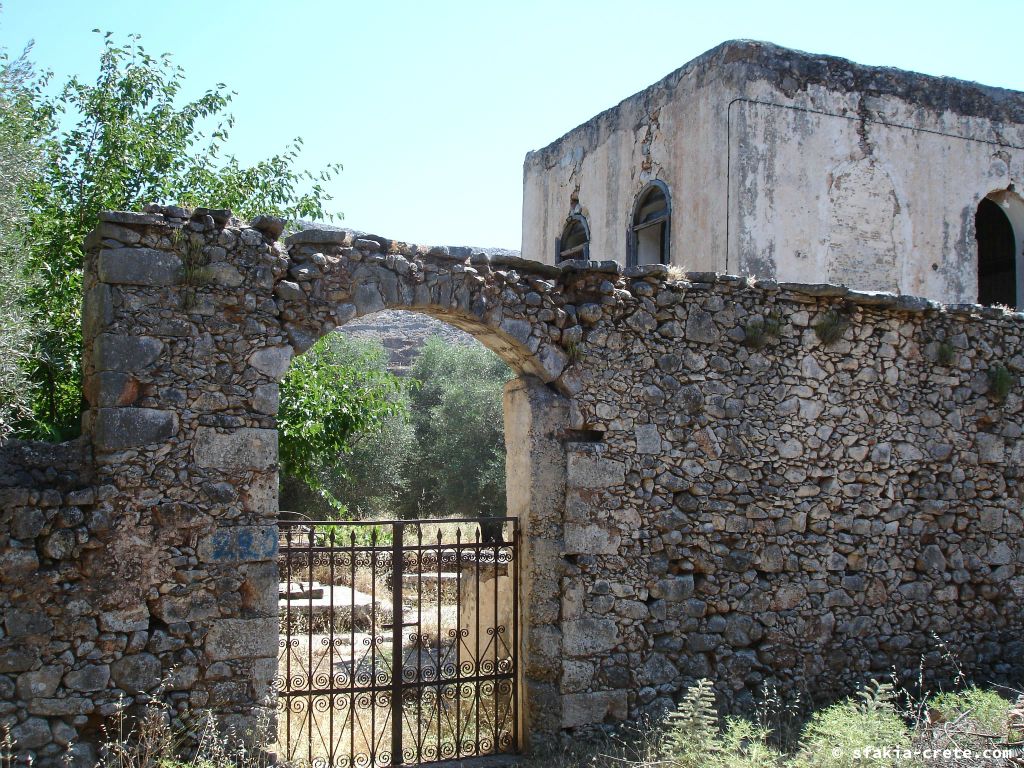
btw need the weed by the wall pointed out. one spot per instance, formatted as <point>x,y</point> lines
<point>676,273</point>
<point>945,354</point>
<point>987,708</point>
<point>831,326</point>
<point>195,263</point>
<point>154,740</point>
<point>1000,382</point>
<point>760,331</point>
<point>574,352</point>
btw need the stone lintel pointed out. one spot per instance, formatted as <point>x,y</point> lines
<point>245,448</point>
<point>139,266</point>
<point>116,429</point>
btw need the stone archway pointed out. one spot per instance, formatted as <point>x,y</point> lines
<point>506,303</point>
<point>192,320</point>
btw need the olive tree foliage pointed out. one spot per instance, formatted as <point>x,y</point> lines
<point>19,162</point>
<point>334,395</point>
<point>438,451</point>
<point>373,476</point>
<point>119,142</point>
<point>457,467</point>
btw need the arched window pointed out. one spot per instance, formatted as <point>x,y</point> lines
<point>575,240</point>
<point>649,231</point>
<point>999,230</point>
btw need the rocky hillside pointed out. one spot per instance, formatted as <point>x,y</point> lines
<point>403,334</point>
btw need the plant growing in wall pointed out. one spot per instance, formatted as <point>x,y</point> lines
<point>945,354</point>
<point>574,352</point>
<point>760,331</point>
<point>194,265</point>
<point>831,326</point>
<point>1000,382</point>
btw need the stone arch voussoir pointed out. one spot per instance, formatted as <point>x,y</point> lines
<point>328,277</point>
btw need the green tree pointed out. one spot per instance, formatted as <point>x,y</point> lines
<point>336,391</point>
<point>458,467</point>
<point>372,478</point>
<point>118,143</point>
<point>19,162</point>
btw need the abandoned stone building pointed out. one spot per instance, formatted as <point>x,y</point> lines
<point>756,159</point>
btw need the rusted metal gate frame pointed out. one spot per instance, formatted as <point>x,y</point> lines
<point>308,540</point>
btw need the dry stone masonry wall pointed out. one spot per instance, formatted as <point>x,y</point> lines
<point>707,487</point>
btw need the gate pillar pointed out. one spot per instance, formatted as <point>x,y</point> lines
<point>536,418</point>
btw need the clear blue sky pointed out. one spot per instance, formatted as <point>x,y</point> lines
<point>431,106</point>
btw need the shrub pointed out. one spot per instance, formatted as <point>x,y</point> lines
<point>833,736</point>
<point>987,708</point>
<point>19,163</point>
<point>332,393</point>
<point>458,464</point>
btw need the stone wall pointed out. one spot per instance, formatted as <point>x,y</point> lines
<point>706,487</point>
<point>50,511</point>
<point>798,513</point>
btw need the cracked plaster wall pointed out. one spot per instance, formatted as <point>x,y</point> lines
<point>757,145</point>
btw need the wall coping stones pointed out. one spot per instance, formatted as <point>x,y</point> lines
<point>657,271</point>
<point>320,236</point>
<point>271,226</point>
<point>135,219</point>
<point>220,216</point>
<point>598,267</point>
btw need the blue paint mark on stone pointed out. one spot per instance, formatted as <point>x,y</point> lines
<point>240,544</point>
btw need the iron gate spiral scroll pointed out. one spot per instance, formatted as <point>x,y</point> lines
<point>398,641</point>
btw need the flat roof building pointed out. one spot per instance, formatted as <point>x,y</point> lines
<point>757,159</point>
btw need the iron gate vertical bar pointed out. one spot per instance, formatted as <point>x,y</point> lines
<point>331,648</point>
<point>458,642</point>
<point>287,640</point>
<point>397,627</point>
<point>440,687</point>
<point>309,644</point>
<point>497,649</point>
<point>353,662</point>
<point>478,617</point>
<point>419,639</point>
<point>373,644</point>
<point>514,645</point>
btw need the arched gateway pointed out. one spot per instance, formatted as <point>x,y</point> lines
<point>708,484</point>
<point>190,325</point>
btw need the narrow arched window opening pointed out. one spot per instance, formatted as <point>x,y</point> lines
<point>998,249</point>
<point>649,231</point>
<point>575,240</point>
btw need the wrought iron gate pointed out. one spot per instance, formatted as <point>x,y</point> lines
<point>398,641</point>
